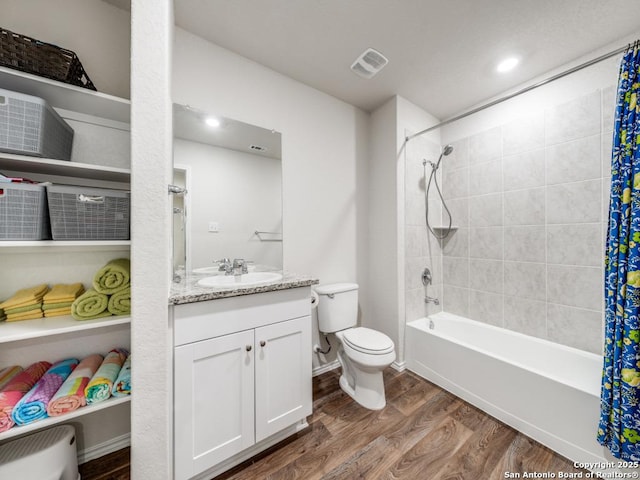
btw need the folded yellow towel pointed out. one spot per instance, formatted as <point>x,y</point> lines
<point>25,316</point>
<point>64,293</point>
<point>25,297</point>
<point>58,312</point>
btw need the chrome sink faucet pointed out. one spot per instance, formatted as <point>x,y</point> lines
<point>225,266</point>
<point>240,266</point>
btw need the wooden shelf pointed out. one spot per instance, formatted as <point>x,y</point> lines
<point>50,421</point>
<point>43,327</point>
<point>49,166</point>
<point>68,97</point>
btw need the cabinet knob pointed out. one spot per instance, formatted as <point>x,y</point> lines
<point>262,343</point>
<point>248,347</point>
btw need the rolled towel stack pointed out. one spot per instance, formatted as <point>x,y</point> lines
<point>122,385</point>
<point>99,388</point>
<point>26,304</point>
<point>2,315</point>
<point>70,396</point>
<point>33,406</point>
<point>58,301</point>
<point>15,389</point>
<point>110,295</point>
<point>90,305</point>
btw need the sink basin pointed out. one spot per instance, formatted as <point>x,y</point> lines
<point>239,281</point>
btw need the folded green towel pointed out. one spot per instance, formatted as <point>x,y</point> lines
<point>120,302</point>
<point>55,306</point>
<point>114,276</point>
<point>28,308</point>
<point>89,305</point>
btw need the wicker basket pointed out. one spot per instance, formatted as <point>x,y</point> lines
<point>44,59</point>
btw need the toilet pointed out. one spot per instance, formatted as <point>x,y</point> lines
<point>362,352</point>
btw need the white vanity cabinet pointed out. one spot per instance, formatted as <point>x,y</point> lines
<point>242,377</point>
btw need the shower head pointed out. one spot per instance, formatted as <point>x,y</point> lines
<point>445,151</point>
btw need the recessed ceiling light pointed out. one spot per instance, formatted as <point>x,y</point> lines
<point>507,64</point>
<point>212,122</point>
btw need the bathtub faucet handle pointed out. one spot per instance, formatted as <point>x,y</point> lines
<point>427,278</point>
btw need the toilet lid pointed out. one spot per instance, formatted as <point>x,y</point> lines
<point>368,341</point>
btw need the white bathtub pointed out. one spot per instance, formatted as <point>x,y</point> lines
<point>548,391</point>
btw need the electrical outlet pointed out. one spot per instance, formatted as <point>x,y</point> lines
<point>214,227</point>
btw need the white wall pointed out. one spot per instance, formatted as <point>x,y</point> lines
<point>97,32</point>
<point>324,154</point>
<point>240,191</point>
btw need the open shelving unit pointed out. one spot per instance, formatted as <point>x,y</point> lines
<point>47,338</point>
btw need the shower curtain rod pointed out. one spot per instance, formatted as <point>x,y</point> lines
<point>521,91</point>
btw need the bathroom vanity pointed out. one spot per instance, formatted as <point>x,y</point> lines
<point>242,371</point>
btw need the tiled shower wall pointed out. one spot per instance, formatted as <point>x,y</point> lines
<point>530,198</point>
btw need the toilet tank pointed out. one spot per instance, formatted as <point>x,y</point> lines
<point>337,306</point>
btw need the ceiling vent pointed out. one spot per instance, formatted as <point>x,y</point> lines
<point>369,63</point>
<point>257,148</point>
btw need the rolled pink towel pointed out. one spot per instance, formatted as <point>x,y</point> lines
<point>70,396</point>
<point>15,389</point>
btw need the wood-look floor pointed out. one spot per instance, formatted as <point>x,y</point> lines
<point>424,433</point>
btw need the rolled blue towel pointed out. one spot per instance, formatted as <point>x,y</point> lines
<point>122,385</point>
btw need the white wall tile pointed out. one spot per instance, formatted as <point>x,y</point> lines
<point>486,307</point>
<point>486,242</point>
<point>485,178</point>
<point>524,244</point>
<point>525,170</point>
<point>608,107</point>
<point>456,300</point>
<point>525,207</point>
<point>485,210</point>
<point>485,146</point>
<point>459,209</point>
<point>456,271</point>
<point>525,280</point>
<point>455,183</point>
<point>525,316</point>
<point>486,275</point>
<point>575,286</point>
<point>523,134</point>
<point>579,244</point>
<point>574,119</point>
<point>575,327</point>
<point>457,243</point>
<point>579,202</point>
<point>574,161</point>
<point>415,241</point>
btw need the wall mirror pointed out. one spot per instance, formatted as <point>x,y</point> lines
<point>232,172</point>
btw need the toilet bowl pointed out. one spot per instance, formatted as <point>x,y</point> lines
<point>363,353</point>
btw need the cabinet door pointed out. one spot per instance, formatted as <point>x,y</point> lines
<point>283,375</point>
<point>213,405</point>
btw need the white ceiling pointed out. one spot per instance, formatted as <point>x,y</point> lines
<point>442,54</point>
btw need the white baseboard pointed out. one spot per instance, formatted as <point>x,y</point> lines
<point>399,366</point>
<point>325,368</point>
<point>104,448</point>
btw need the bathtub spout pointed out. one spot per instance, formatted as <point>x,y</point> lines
<point>428,299</point>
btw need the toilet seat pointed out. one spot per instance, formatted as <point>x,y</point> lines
<point>368,341</point>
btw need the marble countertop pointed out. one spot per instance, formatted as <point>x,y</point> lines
<point>188,290</point>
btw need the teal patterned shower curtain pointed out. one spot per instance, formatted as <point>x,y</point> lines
<point>619,428</point>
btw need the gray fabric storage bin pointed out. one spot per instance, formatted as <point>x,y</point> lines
<point>30,126</point>
<point>87,213</point>
<point>23,212</point>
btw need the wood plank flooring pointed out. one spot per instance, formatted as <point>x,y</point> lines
<point>424,433</point>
